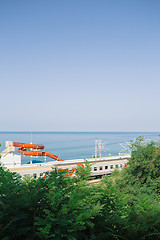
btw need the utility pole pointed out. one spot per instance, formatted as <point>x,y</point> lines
<point>100,148</point>
<point>31,150</point>
<point>98,143</point>
<point>96,149</point>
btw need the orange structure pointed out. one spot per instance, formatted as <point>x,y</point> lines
<point>67,170</point>
<point>30,150</point>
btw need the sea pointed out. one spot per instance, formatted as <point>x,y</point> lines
<point>76,145</point>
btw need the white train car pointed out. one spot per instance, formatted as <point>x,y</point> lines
<point>99,167</point>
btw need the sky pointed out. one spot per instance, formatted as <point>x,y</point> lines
<point>69,65</point>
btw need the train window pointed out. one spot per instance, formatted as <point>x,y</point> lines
<point>111,166</point>
<point>120,165</point>
<point>34,175</point>
<point>95,168</point>
<point>100,168</point>
<point>106,167</point>
<point>116,166</point>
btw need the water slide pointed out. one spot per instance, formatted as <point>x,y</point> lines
<point>32,150</point>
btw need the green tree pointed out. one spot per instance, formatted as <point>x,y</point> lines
<point>83,173</point>
<point>35,192</point>
<point>71,205</point>
<point>109,220</point>
<point>13,217</point>
<point>138,185</point>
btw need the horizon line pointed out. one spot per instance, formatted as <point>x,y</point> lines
<point>79,131</point>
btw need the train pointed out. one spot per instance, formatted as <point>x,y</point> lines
<point>99,166</point>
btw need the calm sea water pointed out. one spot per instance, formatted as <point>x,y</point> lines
<point>73,145</point>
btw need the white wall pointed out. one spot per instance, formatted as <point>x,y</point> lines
<point>11,161</point>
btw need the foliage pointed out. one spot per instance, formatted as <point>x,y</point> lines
<point>144,163</point>
<point>124,205</point>
<point>139,185</point>
<point>71,206</point>
<point>83,173</point>
<point>13,216</point>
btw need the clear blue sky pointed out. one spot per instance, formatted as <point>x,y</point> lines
<point>86,65</point>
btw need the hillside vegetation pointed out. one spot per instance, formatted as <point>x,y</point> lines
<point>125,205</point>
